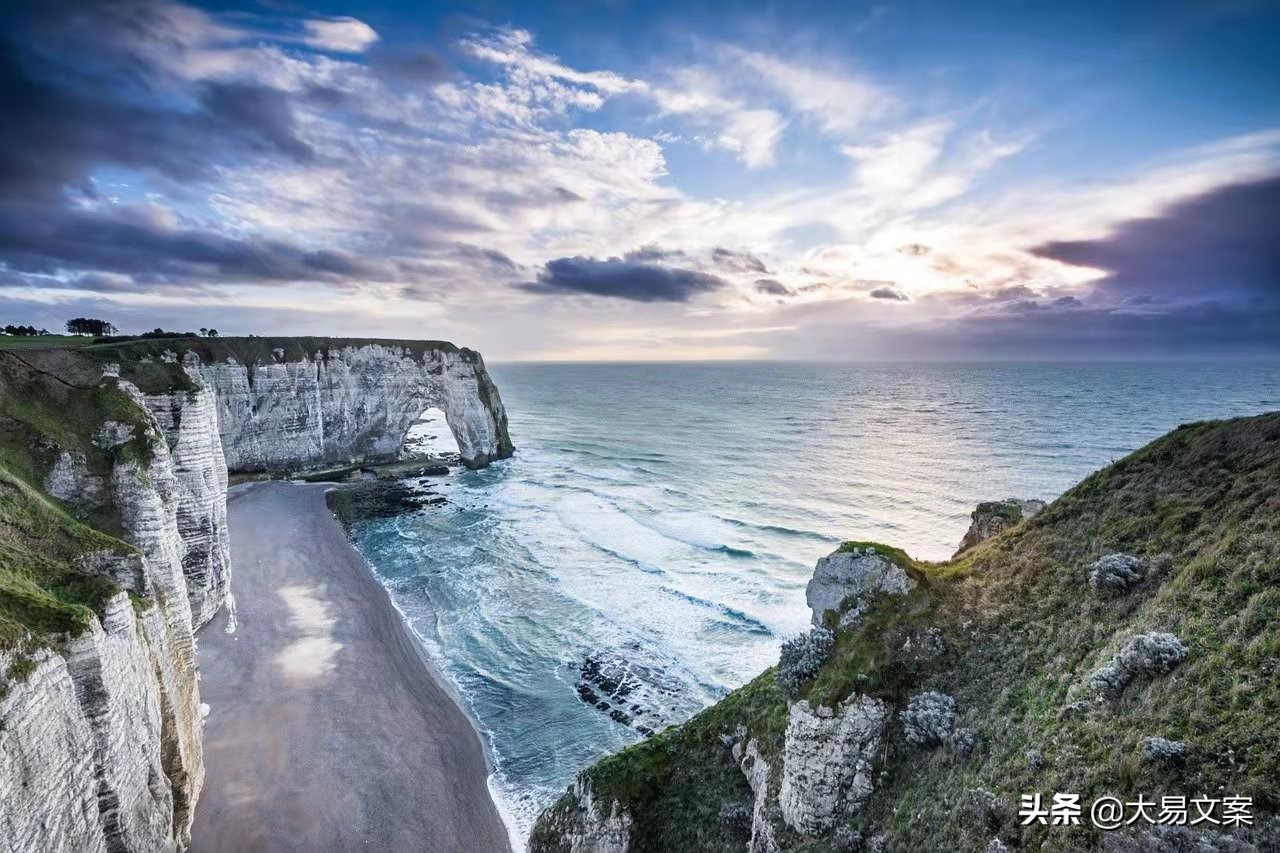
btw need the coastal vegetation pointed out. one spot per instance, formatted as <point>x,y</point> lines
<point>45,593</point>
<point>992,661</point>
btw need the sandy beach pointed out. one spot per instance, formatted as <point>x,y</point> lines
<point>329,729</point>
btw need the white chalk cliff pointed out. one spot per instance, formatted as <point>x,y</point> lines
<point>350,404</point>
<point>100,742</point>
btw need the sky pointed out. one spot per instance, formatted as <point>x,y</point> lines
<point>617,180</point>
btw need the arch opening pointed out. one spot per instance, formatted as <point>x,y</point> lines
<point>430,438</point>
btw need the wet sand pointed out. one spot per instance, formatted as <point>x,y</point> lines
<point>329,729</point>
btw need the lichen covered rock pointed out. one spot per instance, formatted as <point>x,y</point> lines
<point>581,824</point>
<point>1158,750</point>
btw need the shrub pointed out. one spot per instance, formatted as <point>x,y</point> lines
<point>801,659</point>
<point>1150,654</point>
<point>1116,574</point>
<point>963,741</point>
<point>846,839</point>
<point>985,809</point>
<point>929,718</point>
<point>1158,750</point>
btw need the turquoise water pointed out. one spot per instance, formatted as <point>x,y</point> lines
<point>662,521</point>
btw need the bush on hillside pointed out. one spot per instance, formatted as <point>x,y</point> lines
<point>801,659</point>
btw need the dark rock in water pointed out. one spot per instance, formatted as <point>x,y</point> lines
<point>372,499</point>
<point>432,471</point>
<point>626,690</point>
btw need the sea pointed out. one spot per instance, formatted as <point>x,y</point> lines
<point>646,551</point>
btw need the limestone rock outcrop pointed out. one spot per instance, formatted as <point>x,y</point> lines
<point>81,742</point>
<point>590,826</point>
<point>827,761</point>
<point>100,741</point>
<point>349,404</point>
<point>856,574</point>
<point>991,518</point>
<point>189,424</point>
<point>758,773</point>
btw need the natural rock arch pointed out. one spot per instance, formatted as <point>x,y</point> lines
<point>429,435</point>
<point>350,404</point>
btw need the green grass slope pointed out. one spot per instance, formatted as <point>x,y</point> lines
<point>44,595</point>
<point>1023,631</point>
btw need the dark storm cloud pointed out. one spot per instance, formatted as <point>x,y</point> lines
<point>78,92</point>
<point>1203,276</point>
<point>63,238</point>
<point>738,261</point>
<point>262,118</point>
<point>773,287</point>
<point>1220,247</point>
<point>888,291</point>
<point>57,129</point>
<point>621,278</point>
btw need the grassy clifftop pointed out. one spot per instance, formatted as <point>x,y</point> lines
<point>141,360</point>
<point>46,592</point>
<point>1021,632</point>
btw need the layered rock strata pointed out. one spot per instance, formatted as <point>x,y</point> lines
<point>351,404</point>
<point>100,744</point>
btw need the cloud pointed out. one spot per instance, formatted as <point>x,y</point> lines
<point>1218,246</point>
<point>753,134</point>
<point>737,261</point>
<point>619,278</point>
<point>414,64</point>
<point>340,35</point>
<point>839,101</point>
<point>125,241</point>
<point>773,287</point>
<point>886,291</point>
<point>898,161</point>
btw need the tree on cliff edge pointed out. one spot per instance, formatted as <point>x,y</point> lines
<point>87,326</point>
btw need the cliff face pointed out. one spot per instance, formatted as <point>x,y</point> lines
<point>100,722</point>
<point>349,403</point>
<point>1090,648</point>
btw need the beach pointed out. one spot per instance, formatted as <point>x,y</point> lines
<point>329,728</point>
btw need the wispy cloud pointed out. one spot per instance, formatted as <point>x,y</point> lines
<point>157,153</point>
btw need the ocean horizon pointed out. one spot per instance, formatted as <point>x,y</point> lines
<point>659,521</point>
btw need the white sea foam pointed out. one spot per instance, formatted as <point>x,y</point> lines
<point>670,517</point>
